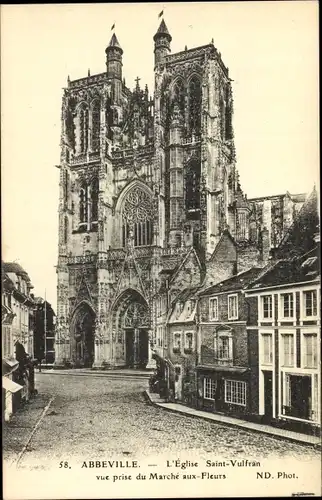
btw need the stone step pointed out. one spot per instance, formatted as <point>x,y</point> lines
<point>103,373</point>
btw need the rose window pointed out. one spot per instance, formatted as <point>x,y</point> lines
<point>137,215</point>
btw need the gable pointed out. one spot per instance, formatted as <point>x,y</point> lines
<point>226,249</point>
<point>83,292</point>
<point>188,273</point>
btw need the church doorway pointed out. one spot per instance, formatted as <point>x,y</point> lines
<point>133,317</point>
<point>136,347</point>
<point>83,329</point>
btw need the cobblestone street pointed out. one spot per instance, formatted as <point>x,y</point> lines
<point>97,417</point>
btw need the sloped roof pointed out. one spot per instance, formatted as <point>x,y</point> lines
<point>7,283</point>
<point>237,282</point>
<point>296,270</point>
<point>186,293</point>
<point>14,267</point>
<point>114,43</point>
<point>162,30</point>
<point>225,234</point>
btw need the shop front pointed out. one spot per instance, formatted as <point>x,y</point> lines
<point>223,389</point>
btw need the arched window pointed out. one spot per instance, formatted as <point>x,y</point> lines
<point>94,200</point>
<point>178,95</point>
<point>228,115</point>
<point>65,229</point>
<point>194,105</point>
<point>222,110</point>
<point>193,186</point>
<point>83,205</point>
<point>242,225</point>
<point>137,218</point>
<point>96,125</point>
<point>83,128</point>
<point>66,186</point>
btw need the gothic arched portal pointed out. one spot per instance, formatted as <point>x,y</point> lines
<point>131,322</point>
<point>82,335</point>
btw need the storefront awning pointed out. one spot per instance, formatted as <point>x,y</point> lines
<point>7,315</point>
<point>9,365</point>
<point>10,386</point>
<point>225,369</point>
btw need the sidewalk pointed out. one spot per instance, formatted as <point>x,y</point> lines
<point>235,422</point>
<point>145,374</point>
<point>16,432</point>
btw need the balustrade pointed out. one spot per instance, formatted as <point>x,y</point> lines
<point>81,259</point>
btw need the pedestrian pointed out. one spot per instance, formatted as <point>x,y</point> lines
<point>39,363</point>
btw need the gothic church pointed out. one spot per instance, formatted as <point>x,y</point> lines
<point>148,192</point>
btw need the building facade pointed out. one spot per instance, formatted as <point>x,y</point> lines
<point>44,331</point>
<point>17,328</point>
<point>22,306</point>
<point>286,366</point>
<point>148,186</point>
<point>286,329</point>
<point>223,371</point>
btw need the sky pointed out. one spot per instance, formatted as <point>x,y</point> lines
<point>271,49</point>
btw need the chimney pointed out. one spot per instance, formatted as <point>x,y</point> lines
<point>265,249</point>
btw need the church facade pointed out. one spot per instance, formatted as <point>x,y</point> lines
<point>148,188</point>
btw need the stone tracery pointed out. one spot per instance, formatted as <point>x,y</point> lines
<point>137,217</point>
<point>136,315</point>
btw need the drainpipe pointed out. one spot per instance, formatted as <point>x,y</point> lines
<point>198,346</point>
<point>168,337</point>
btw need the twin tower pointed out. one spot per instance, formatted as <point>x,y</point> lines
<point>148,185</point>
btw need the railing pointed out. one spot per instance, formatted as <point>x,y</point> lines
<point>193,139</point>
<point>130,152</point>
<point>85,158</point>
<point>173,251</point>
<point>120,253</point>
<point>88,80</point>
<point>81,259</point>
<point>114,254</point>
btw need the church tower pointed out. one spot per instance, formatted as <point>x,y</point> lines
<point>194,143</point>
<point>162,40</point>
<point>147,187</point>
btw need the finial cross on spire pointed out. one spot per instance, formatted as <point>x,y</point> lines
<point>137,81</point>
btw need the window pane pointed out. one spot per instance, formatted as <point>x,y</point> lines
<point>310,303</point>
<point>310,349</point>
<point>209,388</point>
<point>267,306</point>
<point>232,307</point>
<point>287,299</point>
<point>288,345</point>
<point>267,349</point>
<point>235,392</point>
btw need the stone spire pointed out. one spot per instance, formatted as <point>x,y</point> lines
<point>114,43</point>
<point>162,32</point>
<point>162,40</point>
<point>114,65</point>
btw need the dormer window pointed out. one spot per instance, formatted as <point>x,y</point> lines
<point>188,342</point>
